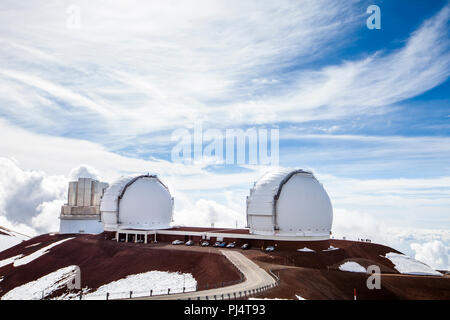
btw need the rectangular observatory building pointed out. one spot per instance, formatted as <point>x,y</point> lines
<point>81,213</point>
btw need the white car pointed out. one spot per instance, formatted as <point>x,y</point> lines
<point>270,249</point>
<point>177,242</point>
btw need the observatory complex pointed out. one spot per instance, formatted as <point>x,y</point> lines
<point>284,207</point>
<point>81,214</point>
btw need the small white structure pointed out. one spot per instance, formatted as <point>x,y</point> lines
<point>81,214</point>
<point>137,202</point>
<point>289,203</point>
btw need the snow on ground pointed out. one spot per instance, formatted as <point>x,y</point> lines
<point>38,253</point>
<point>142,283</point>
<point>5,262</point>
<point>351,266</point>
<point>43,286</point>
<point>299,297</point>
<point>7,242</point>
<point>331,248</point>
<point>33,245</point>
<point>408,265</point>
<point>305,249</point>
<point>10,238</point>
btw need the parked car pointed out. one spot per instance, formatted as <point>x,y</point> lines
<point>177,242</point>
<point>231,245</point>
<point>190,243</point>
<point>245,246</point>
<point>205,244</point>
<point>270,249</point>
<point>220,244</point>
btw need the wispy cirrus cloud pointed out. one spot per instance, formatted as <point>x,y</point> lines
<point>174,64</point>
<point>226,65</point>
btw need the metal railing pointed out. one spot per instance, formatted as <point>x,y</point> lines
<point>242,294</point>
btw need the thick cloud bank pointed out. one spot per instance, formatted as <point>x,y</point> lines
<point>26,195</point>
<point>434,253</point>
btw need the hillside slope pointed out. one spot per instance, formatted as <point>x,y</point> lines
<point>104,261</point>
<point>9,238</point>
<point>319,274</point>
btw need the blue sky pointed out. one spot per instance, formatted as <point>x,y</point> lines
<point>367,110</point>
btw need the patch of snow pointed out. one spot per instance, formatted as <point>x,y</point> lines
<point>43,286</point>
<point>351,266</point>
<point>331,248</point>
<point>7,241</point>
<point>299,297</point>
<point>305,249</point>
<point>142,283</point>
<point>408,265</point>
<point>9,260</point>
<point>37,254</point>
<point>33,245</point>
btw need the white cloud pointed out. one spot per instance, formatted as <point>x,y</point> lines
<point>434,253</point>
<point>189,54</point>
<point>207,212</point>
<point>83,171</point>
<point>47,218</point>
<point>23,191</point>
<point>426,245</point>
<point>206,64</point>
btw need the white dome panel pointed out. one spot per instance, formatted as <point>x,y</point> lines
<point>137,202</point>
<point>146,204</point>
<point>289,203</point>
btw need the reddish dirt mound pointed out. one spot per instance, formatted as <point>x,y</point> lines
<point>364,253</point>
<point>315,275</point>
<point>337,285</point>
<point>102,261</point>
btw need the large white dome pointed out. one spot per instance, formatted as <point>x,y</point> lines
<point>137,202</point>
<point>289,203</point>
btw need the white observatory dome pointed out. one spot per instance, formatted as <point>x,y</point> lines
<point>289,203</point>
<point>137,202</point>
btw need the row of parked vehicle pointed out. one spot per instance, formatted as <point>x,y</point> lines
<point>218,244</point>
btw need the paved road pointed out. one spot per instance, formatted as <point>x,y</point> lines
<point>255,277</point>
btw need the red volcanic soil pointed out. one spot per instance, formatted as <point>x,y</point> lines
<point>102,261</point>
<point>315,275</point>
<point>338,285</point>
<point>364,253</point>
<point>311,275</point>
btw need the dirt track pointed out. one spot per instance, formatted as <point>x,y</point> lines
<point>255,277</point>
